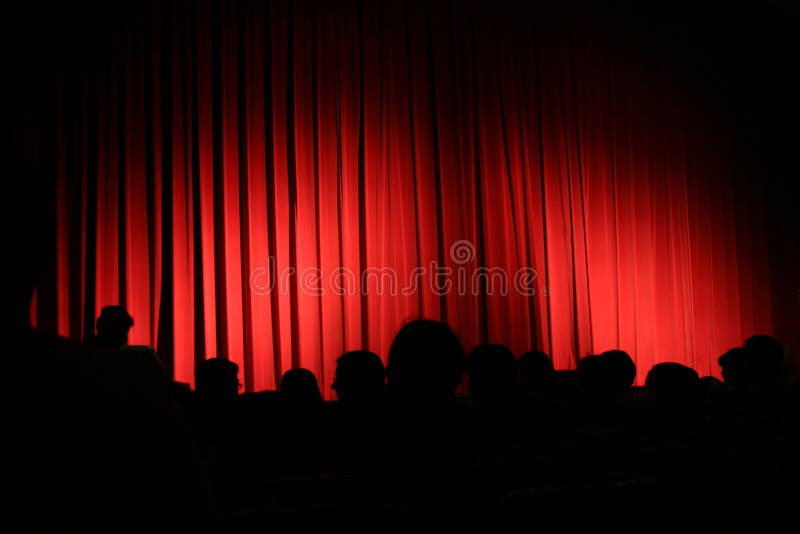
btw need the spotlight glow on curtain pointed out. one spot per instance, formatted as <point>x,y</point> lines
<point>281,183</point>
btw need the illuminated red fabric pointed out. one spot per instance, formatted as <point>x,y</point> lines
<point>387,135</point>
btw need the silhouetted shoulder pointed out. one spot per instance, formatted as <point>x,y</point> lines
<point>94,436</point>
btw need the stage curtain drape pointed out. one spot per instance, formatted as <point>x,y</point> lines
<point>280,182</point>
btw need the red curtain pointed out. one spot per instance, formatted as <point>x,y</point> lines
<point>279,183</point>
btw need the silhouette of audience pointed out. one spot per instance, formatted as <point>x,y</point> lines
<point>536,373</point>
<point>112,328</point>
<point>618,372</point>
<point>674,386</point>
<point>426,361</point>
<point>764,357</point>
<point>734,367</point>
<point>91,439</point>
<point>605,381</point>
<point>360,378</point>
<point>217,380</point>
<point>492,372</point>
<point>421,456</point>
<point>757,366</point>
<point>99,442</point>
<point>358,422</point>
<point>299,389</point>
<point>113,325</point>
<point>671,378</point>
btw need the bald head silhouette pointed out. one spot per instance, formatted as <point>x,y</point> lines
<point>426,361</point>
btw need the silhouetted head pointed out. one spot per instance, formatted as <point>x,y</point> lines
<point>672,382</point>
<point>360,377</point>
<point>113,325</point>
<point>765,362</point>
<point>619,371</point>
<point>734,367</point>
<point>536,372</point>
<point>492,371</point>
<point>217,379</point>
<point>426,360</point>
<point>608,375</point>
<point>299,388</point>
